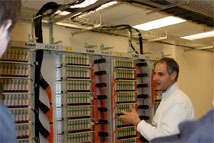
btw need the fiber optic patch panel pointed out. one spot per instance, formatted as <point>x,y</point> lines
<point>16,100</point>
<point>14,70</point>
<point>123,96</point>
<point>90,90</point>
<point>16,55</point>
<point>16,83</point>
<point>99,91</point>
<point>76,89</point>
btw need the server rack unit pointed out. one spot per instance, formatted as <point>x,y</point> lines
<point>123,95</point>
<point>76,85</point>
<point>90,89</point>
<point>15,77</point>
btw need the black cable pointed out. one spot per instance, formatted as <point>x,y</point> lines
<point>140,42</point>
<point>126,26</point>
<point>38,63</point>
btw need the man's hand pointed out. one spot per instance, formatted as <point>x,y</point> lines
<point>130,117</point>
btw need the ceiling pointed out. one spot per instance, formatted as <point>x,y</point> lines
<point>200,18</point>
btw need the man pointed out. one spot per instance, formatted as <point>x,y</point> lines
<point>8,14</point>
<point>194,131</point>
<point>174,107</point>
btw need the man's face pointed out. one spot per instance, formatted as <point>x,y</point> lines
<point>4,36</point>
<point>163,80</point>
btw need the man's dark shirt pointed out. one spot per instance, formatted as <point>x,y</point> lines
<point>7,125</point>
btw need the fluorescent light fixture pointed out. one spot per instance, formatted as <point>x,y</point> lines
<point>106,5</point>
<point>170,20</point>
<point>199,35</point>
<point>62,12</point>
<point>84,4</point>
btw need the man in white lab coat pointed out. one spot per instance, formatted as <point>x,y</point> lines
<point>194,131</point>
<point>8,14</point>
<point>174,107</point>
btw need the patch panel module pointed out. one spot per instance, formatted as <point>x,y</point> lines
<point>76,88</point>
<point>15,69</point>
<point>123,96</point>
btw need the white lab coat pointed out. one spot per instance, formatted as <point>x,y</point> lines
<point>174,108</point>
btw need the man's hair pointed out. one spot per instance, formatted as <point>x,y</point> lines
<point>171,66</point>
<point>9,10</point>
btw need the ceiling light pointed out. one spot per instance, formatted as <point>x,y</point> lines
<point>104,6</point>
<point>170,20</point>
<point>62,12</point>
<point>84,4</point>
<point>107,5</point>
<point>199,35</point>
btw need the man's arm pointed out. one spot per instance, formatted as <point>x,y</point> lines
<point>131,117</point>
<point>168,124</point>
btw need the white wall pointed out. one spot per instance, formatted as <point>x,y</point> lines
<point>196,67</point>
<point>197,77</point>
